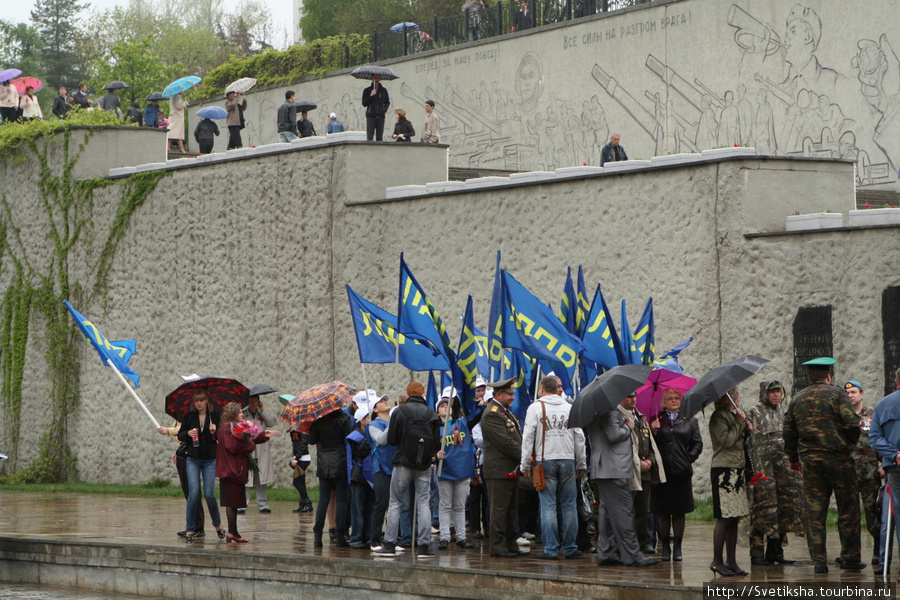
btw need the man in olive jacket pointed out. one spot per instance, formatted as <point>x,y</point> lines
<point>502,453</point>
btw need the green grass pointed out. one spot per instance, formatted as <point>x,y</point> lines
<point>155,487</point>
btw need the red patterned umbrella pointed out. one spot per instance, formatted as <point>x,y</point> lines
<point>316,402</point>
<point>23,82</point>
<point>221,390</point>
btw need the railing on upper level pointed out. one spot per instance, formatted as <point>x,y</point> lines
<point>483,21</point>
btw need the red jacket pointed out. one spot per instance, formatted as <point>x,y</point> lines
<point>231,456</point>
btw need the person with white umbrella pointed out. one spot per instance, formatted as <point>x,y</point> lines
<point>235,104</point>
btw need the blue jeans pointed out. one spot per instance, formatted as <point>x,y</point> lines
<point>287,136</point>
<point>362,503</point>
<point>560,478</point>
<point>196,466</point>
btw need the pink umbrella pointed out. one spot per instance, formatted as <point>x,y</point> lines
<point>23,82</point>
<point>649,395</point>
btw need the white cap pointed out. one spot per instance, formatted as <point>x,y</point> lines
<point>488,394</point>
<point>361,413</point>
<point>375,400</point>
<point>332,116</point>
<point>361,399</point>
<point>480,382</point>
<point>449,392</point>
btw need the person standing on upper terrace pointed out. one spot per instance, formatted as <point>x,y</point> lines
<point>523,19</point>
<point>235,105</point>
<point>287,118</point>
<point>376,100</point>
<point>432,129</point>
<point>613,151</point>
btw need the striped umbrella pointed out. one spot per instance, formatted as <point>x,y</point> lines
<point>316,402</point>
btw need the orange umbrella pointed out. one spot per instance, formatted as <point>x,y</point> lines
<point>316,402</point>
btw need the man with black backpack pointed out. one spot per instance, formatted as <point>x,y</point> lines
<point>415,430</point>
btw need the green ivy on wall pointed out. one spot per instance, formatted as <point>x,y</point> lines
<point>35,295</point>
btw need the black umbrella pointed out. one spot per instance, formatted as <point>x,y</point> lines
<point>718,381</point>
<point>603,394</point>
<point>304,106</point>
<point>366,72</point>
<point>260,389</point>
<point>155,96</point>
<point>116,85</point>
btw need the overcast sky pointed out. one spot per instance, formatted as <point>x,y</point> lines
<point>20,12</point>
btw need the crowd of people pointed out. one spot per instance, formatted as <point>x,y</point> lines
<point>393,476</point>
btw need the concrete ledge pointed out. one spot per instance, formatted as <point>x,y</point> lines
<point>213,574</point>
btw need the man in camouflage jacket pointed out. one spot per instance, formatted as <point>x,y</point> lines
<point>777,504</point>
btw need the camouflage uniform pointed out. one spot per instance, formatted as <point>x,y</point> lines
<point>867,462</point>
<point>821,429</point>
<point>776,504</point>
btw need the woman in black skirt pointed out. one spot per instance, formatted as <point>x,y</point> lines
<point>728,429</point>
<point>679,442</point>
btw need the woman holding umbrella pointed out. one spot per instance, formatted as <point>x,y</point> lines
<point>237,440</point>
<point>198,431</point>
<point>176,120</point>
<point>679,442</point>
<point>9,98</point>
<point>728,429</point>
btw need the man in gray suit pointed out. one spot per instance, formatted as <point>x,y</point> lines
<point>612,467</point>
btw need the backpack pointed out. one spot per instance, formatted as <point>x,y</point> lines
<point>418,446</point>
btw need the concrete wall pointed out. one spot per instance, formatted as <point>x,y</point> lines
<point>238,268</point>
<point>814,79</point>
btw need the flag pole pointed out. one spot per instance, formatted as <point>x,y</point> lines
<point>133,393</point>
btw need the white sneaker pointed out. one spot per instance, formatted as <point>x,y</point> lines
<point>522,542</point>
<point>399,549</point>
<point>435,531</point>
<point>528,536</point>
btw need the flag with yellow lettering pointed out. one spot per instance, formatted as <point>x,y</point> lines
<point>568,306</point>
<point>601,342</point>
<point>632,356</point>
<point>529,325</point>
<point>481,359</point>
<point>644,335</point>
<point>583,306</point>
<point>377,338</point>
<point>495,329</point>
<point>467,361</point>
<point>117,352</point>
<point>418,318</point>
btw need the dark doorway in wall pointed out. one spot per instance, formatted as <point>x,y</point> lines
<point>890,329</point>
<point>812,339</point>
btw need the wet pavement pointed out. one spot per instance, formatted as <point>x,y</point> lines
<point>152,521</point>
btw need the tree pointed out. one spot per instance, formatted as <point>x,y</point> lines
<point>57,22</point>
<point>20,47</point>
<point>133,62</point>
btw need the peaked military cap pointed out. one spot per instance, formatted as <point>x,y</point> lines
<point>505,385</point>
<point>822,361</point>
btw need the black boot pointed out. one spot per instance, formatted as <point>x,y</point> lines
<point>666,550</point>
<point>676,550</point>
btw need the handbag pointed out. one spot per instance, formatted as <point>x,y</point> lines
<point>181,450</point>
<point>537,471</point>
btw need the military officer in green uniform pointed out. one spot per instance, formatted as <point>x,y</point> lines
<point>869,473</point>
<point>820,431</point>
<point>502,453</point>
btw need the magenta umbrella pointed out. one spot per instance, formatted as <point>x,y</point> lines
<point>649,395</point>
<point>23,82</point>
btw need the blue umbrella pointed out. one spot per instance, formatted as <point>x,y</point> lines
<point>180,85</point>
<point>212,112</point>
<point>9,74</point>
<point>398,28</point>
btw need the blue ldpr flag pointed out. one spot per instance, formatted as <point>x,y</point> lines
<point>568,306</point>
<point>583,306</point>
<point>118,352</point>
<point>484,365</point>
<point>522,366</point>
<point>377,338</point>
<point>601,342</point>
<point>644,335</point>
<point>530,326</point>
<point>632,356</point>
<point>495,328</point>
<point>431,393</point>
<point>417,317</point>
<point>467,360</point>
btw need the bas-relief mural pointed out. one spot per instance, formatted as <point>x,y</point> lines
<point>780,99</point>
